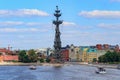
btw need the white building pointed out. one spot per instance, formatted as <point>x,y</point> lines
<point>74,53</point>
<point>44,51</point>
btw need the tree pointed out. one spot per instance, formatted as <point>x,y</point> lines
<point>41,60</point>
<point>110,57</point>
<point>23,57</point>
<point>48,60</point>
<point>118,56</point>
<point>32,55</point>
<point>102,58</point>
<point>94,59</point>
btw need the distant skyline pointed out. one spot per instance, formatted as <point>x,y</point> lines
<point>27,24</point>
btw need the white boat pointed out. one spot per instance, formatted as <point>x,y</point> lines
<point>32,67</point>
<point>100,70</point>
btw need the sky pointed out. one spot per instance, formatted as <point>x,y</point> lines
<point>27,24</point>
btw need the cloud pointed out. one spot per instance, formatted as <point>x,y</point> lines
<point>31,24</point>
<point>91,38</point>
<point>8,30</point>
<point>20,23</point>
<point>23,13</point>
<point>22,30</point>
<point>109,26</point>
<point>100,14</point>
<point>11,23</point>
<point>69,24</point>
<point>115,0</point>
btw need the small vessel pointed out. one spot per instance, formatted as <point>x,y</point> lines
<point>100,70</point>
<point>32,67</point>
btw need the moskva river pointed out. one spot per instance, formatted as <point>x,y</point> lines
<point>71,72</point>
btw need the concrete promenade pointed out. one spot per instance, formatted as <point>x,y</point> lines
<point>57,64</point>
<point>94,65</point>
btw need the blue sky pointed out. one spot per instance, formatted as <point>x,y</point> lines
<point>27,24</point>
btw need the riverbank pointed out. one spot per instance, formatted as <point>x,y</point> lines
<point>16,64</point>
<point>114,66</point>
<point>58,64</point>
<point>29,64</point>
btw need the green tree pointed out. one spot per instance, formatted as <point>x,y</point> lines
<point>32,56</point>
<point>23,57</point>
<point>110,57</point>
<point>118,56</point>
<point>94,59</point>
<point>48,60</point>
<point>102,58</point>
<point>41,60</point>
<point>22,54</point>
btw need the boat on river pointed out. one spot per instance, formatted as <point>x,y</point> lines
<point>100,70</point>
<point>32,67</point>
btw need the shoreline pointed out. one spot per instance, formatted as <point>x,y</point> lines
<point>29,64</point>
<point>113,66</point>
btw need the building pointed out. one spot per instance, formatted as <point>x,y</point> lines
<point>65,54</point>
<point>99,46</point>
<point>6,55</point>
<point>8,58</point>
<point>91,54</point>
<point>5,51</point>
<point>106,46</point>
<point>74,53</point>
<point>100,53</point>
<point>77,53</point>
<point>42,51</point>
<point>84,54</point>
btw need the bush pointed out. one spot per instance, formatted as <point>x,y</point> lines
<point>48,60</point>
<point>14,61</point>
<point>41,60</point>
<point>110,57</point>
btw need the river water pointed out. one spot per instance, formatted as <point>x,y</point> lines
<point>71,72</point>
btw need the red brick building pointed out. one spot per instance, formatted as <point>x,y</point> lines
<point>65,54</point>
<point>99,46</point>
<point>8,58</point>
<point>6,55</point>
<point>5,51</point>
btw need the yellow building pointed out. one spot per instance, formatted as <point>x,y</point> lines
<point>84,55</point>
<point>91,56</point>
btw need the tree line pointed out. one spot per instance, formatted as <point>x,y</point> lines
<point>31,56</point>
<point>110,57</point>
